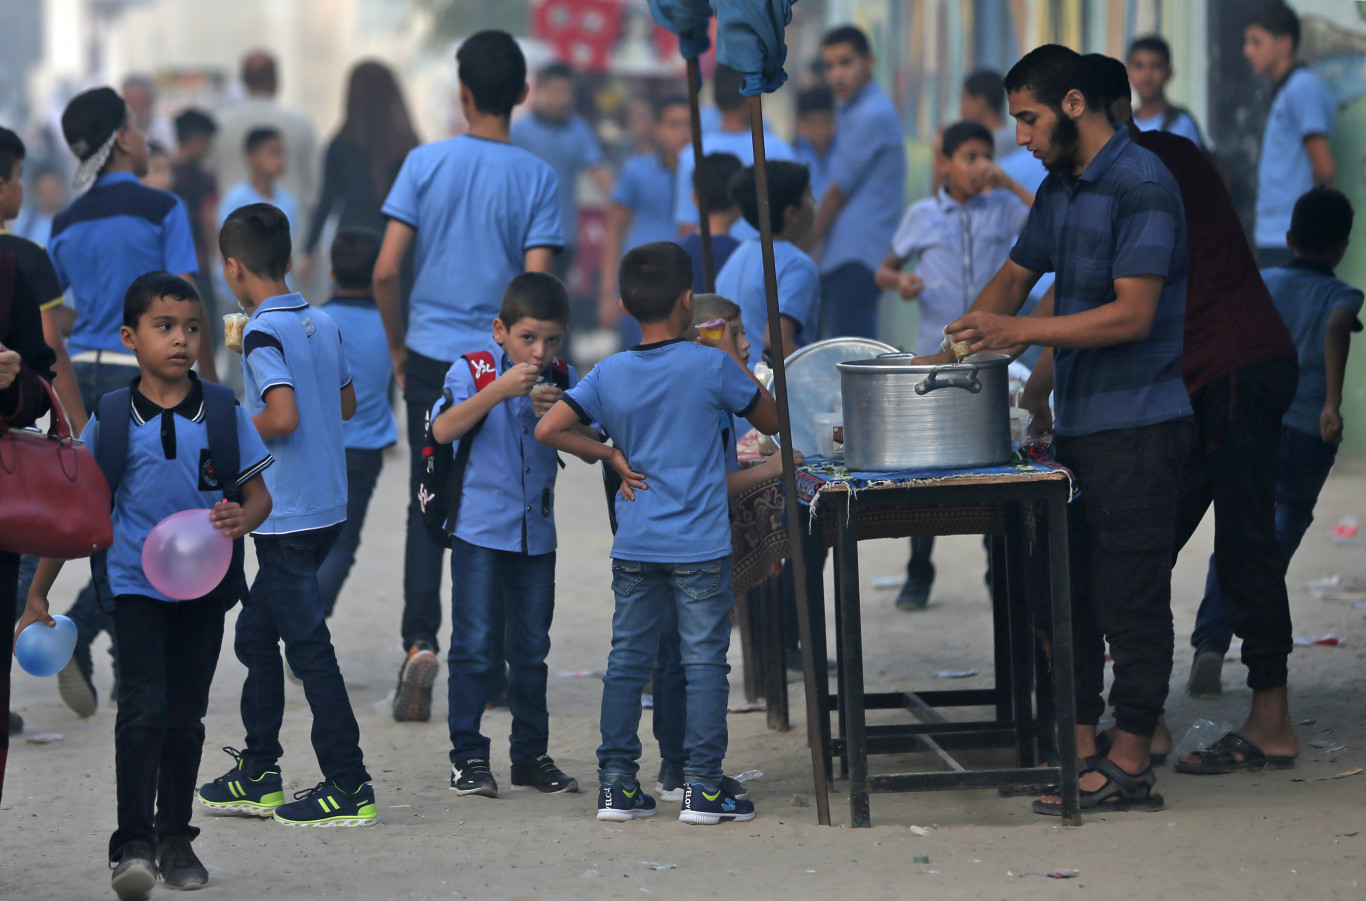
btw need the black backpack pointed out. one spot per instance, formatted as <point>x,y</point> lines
<point>441,480</point>
<point>111,453</point>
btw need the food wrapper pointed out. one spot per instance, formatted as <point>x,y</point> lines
<point>712,330</point>
<point>233,324</point>
<point>961,349</point>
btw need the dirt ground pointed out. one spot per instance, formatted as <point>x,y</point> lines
<point>1259,835</point>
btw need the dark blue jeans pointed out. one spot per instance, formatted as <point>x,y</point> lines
<point>670,693</point>
<point>421,558</point>
<point>849,301</point>
<point>284,604</point>
<point>362,471</point>
<point>1303,467</point>
<point>480,578</point>
<point>700,595</point>
<point>167,656</point>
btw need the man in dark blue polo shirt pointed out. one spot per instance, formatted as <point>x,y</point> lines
<point>1109,221</point>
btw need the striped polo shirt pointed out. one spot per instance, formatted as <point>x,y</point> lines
<point>1121,217</point>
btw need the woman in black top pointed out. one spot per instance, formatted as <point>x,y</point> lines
<point>25,360</point>
<point>364,158</point>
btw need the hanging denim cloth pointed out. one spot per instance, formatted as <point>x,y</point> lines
<point>749,35</point>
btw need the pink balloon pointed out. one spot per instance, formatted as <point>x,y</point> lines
<point>185,557</point>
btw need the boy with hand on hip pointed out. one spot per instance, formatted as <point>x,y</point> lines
<point>662,403</point>
<point>160,460</point>
<point>298,390</point>
<point>503,548</point>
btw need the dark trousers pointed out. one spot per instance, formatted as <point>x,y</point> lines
<point>422,559</point>
<point>167,655</point>
<point>284,604</point>
<point>362,471</point>
<point>1232,465</point>
<point>849,300</point>
<point>480,580</point>
<point>9,579</point>
<point>1121,535</point>
<point>1304,461</point>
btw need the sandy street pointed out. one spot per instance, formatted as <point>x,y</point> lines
<point>1250,835</point>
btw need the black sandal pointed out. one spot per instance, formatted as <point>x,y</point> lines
<point>1121,791</point>
<point>1222,757</point>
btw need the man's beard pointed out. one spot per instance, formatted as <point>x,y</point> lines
<point>1065,138</point>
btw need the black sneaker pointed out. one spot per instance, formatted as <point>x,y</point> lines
<point>1207,671</point>
<point>707,808</point>
<point>413,697</point>
<point>618,802</point>
<point>179,866</point>
<point>671,784</point>
<point>542,773</point>
<point>238,790</point>
<point>915,595</point>
<point>471,776</point>
<point>134,872</point>
<point>74,682</point>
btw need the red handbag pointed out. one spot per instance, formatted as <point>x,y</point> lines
<point>54,501</point>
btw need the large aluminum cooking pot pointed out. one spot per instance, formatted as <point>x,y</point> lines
<point>902,415</point>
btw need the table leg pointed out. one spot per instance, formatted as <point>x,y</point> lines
<point>1000,625</point>
<point>851,671</point>
<point>815,598</point>
<point>816,681</point>
<point>1064,686</point>
<point>774,666</point>
<point>842,715</point>
<point>1021,641</point>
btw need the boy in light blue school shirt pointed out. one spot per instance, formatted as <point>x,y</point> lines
<point>662,405</point>
<point>962,235</point>
<point>1295,145</point>
<point>564,140</point>
<point>859,211</point>
<point>298,390</point>
<point>742,278</point>
<point>503,538</point>
<point>366,434</point>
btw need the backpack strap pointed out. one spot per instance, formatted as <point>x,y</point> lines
<point>485,373</point>
<point>220,421</point>
<point>111,453</point>
<point>559,374</point>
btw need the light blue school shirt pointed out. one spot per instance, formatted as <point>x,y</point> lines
<point>799,290</point>
<point>1182,125</point>
<point>868,163</point>
<point>168,469</point>
<point>372,369</point>
<point>662,406</point>
<point>568,147</point>
<point>508,502</point>
<point>1302,108</point>
<point>646,188</point>
<point>287,342</point>
<point>478,206</point>
<point>118,230</point>
<point>244,193</point>
<point>960,246</point>
<point>739,143</point>
<point>1305,293</point>
<point>817,165</point>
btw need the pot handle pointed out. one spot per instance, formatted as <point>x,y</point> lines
<point>933,381</point>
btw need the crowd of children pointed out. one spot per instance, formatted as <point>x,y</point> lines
<point>490,403</point>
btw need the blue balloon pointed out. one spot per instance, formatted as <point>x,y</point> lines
<point>42,650</point>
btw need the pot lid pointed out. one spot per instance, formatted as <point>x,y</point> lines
<point>813,383</point>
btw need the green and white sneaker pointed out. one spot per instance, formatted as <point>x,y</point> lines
<point>237,790</point>
<point>326,805</point>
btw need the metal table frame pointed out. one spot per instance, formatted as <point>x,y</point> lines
<point>1016,722</point>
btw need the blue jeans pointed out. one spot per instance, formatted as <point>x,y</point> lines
<point>1303,467</point>
<point>362,471</point>
<point>849,301</point>
<point>284,604</point>
<point>670,693</point>
<point>480,578</point>
<point>700,595</point>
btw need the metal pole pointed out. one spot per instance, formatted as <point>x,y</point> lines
<point>708,264</point>
<point>795,522</point>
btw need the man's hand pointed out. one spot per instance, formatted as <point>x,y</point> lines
<point>517,381</point>
<point>1330,425</point>
<point>230,518</point>
<point>35,612</point>
<point>1041,414</point>
<point>400,359</point>
<point>909,285</point>
<point>9,366</point>
<point>939,359</point>
<point>986,331</point>
<point>631,482</point>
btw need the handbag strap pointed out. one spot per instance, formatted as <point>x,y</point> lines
<point>58,425</point>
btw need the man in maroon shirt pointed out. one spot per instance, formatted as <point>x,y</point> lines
<point>1240,368</point>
